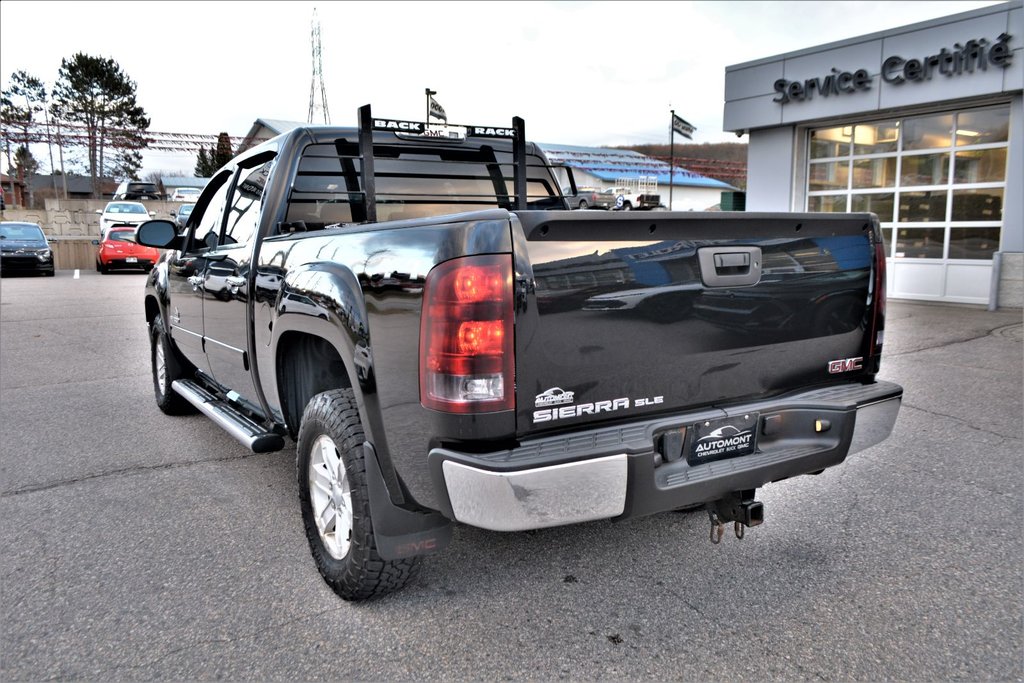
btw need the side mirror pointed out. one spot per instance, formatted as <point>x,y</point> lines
<point>159,234</point>
<point>98,212</point>
<point>152,214</point>
<point>96,243</point>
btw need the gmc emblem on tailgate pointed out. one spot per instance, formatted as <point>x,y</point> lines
<point>845,365</point>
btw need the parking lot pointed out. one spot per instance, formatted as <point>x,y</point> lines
<point>140,546</point>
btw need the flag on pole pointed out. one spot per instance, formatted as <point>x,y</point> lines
<point>681,126</point>
<point>436,110</point>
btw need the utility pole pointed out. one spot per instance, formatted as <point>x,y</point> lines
<point>10,175</point>
<point>672,155</point>
<point>49,146</point>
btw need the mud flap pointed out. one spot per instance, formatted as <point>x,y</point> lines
<point>398,532</point>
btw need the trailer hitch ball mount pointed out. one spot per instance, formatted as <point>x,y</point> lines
<point>738,507</point>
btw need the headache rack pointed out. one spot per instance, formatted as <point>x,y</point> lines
<point>421,171</point>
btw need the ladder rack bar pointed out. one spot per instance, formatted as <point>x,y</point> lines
<point>519,157</point>
<point>366,152</point>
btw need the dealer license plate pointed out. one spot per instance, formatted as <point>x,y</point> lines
<point>720,439</point>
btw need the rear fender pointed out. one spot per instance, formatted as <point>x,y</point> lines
<point>325,300</point>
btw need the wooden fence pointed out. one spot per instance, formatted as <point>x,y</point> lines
<point>70,253</point>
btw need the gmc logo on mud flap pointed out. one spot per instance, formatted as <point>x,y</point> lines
<point>845,365</point>
<point>416,547</point>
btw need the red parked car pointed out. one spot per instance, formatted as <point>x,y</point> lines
<point>118,250</point>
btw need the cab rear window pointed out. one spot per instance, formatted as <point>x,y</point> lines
<point>410,183</point>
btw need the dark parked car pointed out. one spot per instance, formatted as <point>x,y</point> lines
<point>24,249</point>
<point>137,190</point>
<point>182,213</point>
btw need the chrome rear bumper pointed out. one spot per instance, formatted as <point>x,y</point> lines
<point>540,497</point>
<point>566,480</point>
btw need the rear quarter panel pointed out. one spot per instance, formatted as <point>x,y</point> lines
<point>361,288</point>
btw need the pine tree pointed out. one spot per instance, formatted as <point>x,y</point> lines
<point>94,93</point>
<point>223,153</point>
<point>204,164</point>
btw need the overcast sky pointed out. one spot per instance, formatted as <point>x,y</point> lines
<point>586,73</point>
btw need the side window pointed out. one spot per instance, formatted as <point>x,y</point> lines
<point>246,201</point>
<point>208,225</point>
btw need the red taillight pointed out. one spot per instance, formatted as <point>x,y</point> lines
<point>479,338</point>
<point>466,336</point>
<point>476,284</point>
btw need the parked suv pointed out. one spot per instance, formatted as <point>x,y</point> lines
<point>136,190</point>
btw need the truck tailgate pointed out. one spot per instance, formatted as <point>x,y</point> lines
<point>631,315</point>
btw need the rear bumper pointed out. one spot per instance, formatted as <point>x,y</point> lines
<point>123,264</point>
<point>625,471</point>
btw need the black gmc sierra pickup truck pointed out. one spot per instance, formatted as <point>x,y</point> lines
<point>444,341</point>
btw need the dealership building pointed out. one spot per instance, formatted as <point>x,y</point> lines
<point>922,125</point>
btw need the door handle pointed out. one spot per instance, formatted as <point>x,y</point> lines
<point>730,266</point>
<point>234,282</point>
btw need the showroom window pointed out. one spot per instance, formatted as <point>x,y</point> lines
<point>935,181</point>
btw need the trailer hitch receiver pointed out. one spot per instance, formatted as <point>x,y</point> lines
<point>740,508</point>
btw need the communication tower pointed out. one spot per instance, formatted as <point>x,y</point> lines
<point>316,85</point>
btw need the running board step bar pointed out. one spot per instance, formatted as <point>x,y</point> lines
<point>248,433</point>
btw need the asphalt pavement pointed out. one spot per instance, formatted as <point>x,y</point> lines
<point>137,546</point>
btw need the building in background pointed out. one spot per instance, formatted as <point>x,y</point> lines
<point>603,167</point>
<point>922,125</point>
<point>51,186</point>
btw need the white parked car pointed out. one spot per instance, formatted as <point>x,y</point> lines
<point>185,194</point>
<point>123,213</point>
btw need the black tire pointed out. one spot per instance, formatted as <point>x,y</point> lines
<point>51,273</point>
<point>583,203</point>
<point>168,400</point>
<point>102,268</point>
<point>627,207</point>
<point>351,567</point>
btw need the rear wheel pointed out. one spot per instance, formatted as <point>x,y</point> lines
<point>583,203</point>
<point>335,501</point>
<point>166,369</point>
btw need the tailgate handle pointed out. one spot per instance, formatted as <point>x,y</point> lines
<point>730,266</point>
<point>732,260</point>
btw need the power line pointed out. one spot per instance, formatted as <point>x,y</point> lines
<point>74,135</point>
